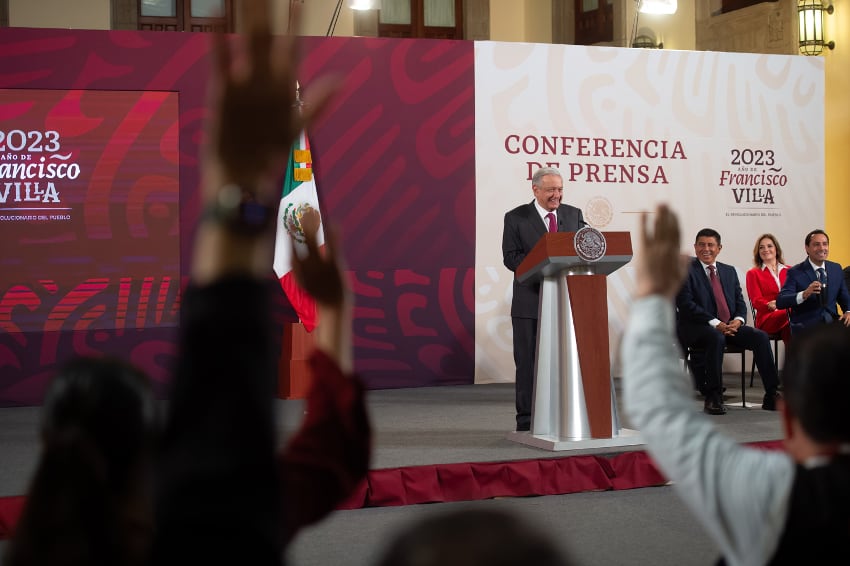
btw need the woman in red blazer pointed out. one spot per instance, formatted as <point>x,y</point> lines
<point>763,284</point>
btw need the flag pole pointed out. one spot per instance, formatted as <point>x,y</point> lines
<point>299,104</point>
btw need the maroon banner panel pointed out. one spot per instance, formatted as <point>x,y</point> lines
<point>101,133</point>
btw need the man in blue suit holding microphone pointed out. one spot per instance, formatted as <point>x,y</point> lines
<point>814,287</point>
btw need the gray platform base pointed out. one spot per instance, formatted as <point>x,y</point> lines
<point>627,437</point>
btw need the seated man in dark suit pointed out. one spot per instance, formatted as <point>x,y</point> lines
<point>813,287</point>
<point>711,312</point>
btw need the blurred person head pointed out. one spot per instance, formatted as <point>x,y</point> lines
<point>815,389</point>
<point>89,501</point>
<point>472,537</point>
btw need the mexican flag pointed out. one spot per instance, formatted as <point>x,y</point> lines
<point>299,193</point>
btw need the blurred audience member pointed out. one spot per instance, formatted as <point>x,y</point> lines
<point>329,455</point>
<point>90,499</point>
<point>759,506</point>
<point>763,283</point>
<point>220,496</point>
<point>471,537</point>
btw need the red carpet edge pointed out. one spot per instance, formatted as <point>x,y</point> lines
<point>471,481</point>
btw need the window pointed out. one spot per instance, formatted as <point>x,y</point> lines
<point>732,5</point>
<point>186,15</point>
<point>594,21</point>
<point>433,19</point>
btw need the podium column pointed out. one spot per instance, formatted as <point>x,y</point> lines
<point>573,394</point>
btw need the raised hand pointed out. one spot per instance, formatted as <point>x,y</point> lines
<point>253,121</point>
<point>661,267</point>
<point>319,274</point>
<point>253,114</point>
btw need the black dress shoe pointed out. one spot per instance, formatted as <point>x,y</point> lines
<point>524,427</point>
<point>713,406</point>
<point>701,391</point>
<point>769,401</point>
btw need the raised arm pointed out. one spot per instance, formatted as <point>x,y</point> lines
<point>322,277</point>
<point>328,456</point>
<point>253,121</point>
<point>217,500</point>
<point>709,470</point>
<point>660,267</point>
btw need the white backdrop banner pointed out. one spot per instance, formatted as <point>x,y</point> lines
<point>731,141</point>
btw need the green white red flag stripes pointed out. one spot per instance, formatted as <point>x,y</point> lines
<point>299,194</point>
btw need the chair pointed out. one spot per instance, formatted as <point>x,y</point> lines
<point>775,337</point>
<point>729,349</point>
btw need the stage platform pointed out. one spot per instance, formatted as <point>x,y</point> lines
<point>471,423</point>
<point>446,444</point>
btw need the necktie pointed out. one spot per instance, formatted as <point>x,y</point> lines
<point>553,226</point>
<point>822,279</point>
<point>722,308</point>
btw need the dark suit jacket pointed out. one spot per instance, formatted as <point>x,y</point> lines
<point>695,302</point>
<point>809,311</point>
<point>523,229</point>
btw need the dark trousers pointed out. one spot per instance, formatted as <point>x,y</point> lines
<point>708,371</point>
<point>525,350</point>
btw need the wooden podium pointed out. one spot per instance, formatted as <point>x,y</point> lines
<point>574,399</point>
<point>293,367</point>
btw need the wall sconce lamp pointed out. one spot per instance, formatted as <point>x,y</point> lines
<point>646,42</point>
<point>657,6</point>
<point>364,4</point>
<point>811,26</point>
<point>354,5</point>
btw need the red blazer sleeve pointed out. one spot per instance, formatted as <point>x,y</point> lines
<point>329,455</point>
<point>755,291</point>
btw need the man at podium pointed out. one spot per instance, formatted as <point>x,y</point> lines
<point>524,226</point>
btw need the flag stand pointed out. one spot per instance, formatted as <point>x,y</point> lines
<point>293,368</point>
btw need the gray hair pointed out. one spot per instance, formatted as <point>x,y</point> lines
<point>542,172</point>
